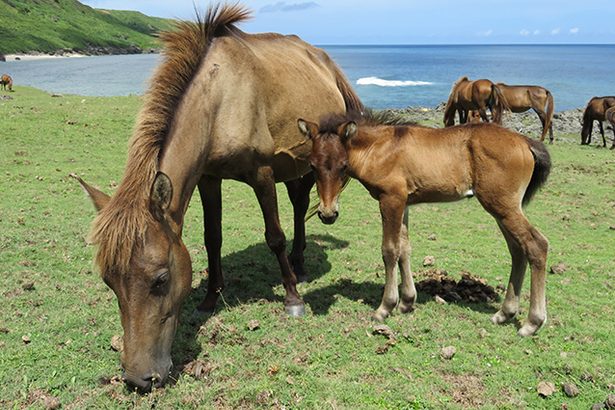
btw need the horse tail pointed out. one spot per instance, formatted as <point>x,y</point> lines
<point>351,99</point>
<point>587,125</point>
<point>497,103</point>
<point>451,103</point>
<point>542,169</point>
<point>549,119</point>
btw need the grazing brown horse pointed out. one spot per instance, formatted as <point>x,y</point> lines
<point>6,82</point>
<point>403,165</point>
<point>521,98</point>
<point>230,113</point>
<point>595,111</point>
<point>478,95</point>
<point>610,117</point>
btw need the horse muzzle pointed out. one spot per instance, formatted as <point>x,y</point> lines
<point>328,218</point>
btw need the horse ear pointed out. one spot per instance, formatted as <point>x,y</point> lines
<point>99,198</point>
<point>348,130</point>
<point>161,195</point>
<point>307,128</point>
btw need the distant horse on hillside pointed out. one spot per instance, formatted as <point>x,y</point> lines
<point>521,98</point>
<point>6,82</point>
<point>230,114</point>
<point>595,111</point>
<point>610,117</point>
<point>478,95</point>
<point>402,165</point>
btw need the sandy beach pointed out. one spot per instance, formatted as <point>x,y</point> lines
<point>30,57</point>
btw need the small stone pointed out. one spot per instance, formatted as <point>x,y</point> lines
<point>598,406</point>
<point>545,389</point>
<point>432,237</point>
<point>558,268</point>
<point>25,339</point>
<point>482,333</point>
<point>448,352</point>
<point>439,300</point>
<point>570,389</point>
<point>51,403</point>
<point>253,325</point>
<point>28,286</point>
<point>117,343</point>
<point>610,401</point>
<point>612,227</point>
<point>429,261</point>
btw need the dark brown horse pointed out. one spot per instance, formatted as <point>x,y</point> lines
<point>521,98</point>
<point>6,82</point>
<point>477,95</point>
<point>405,165</point>
<point>595,111</point>
<point>230,113</point>
<point>610,117</point>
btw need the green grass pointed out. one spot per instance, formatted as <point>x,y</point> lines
<point>52,25</point>
<point>327,359</point>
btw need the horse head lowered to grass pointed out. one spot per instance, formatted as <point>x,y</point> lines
<point>230,113</point>
<point>402,165</point>
<point>474,95</point>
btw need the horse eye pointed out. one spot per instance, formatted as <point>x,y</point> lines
<point>160,280</point>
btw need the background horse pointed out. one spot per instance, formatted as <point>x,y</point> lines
<point>230,113</point>
<point>478,95</point>
<point>595,111</point>
<point>610,117</point>
<point>405,165</point>
<point>6,82</point>
<point>521,98</point>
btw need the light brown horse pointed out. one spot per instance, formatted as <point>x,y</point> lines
<point>405,165</point>
<point>478,95</point>
<point>595,111</point>
<point>230,113</point>
<point>6,82</point>
<point>521,98</point>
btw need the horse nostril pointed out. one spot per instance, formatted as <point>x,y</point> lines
<point>336,214</point>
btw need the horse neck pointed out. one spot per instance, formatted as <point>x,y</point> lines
<point>360,150</point>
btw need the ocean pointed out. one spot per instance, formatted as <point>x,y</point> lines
<point>383,76</point>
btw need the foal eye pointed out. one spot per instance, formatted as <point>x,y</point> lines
<point>160,280</point>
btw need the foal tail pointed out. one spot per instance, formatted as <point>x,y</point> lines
<point>542,168</point>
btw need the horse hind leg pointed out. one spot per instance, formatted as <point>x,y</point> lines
<point>601,127</point>
<point>408,290</point>
<point>211,199</point>
<point>299,194</point>
<point>263,184</point>
<point>534,247</point>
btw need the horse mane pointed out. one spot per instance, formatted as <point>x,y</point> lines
<point>330,123</point>
<point>120,226</point>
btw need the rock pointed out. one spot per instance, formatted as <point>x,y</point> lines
<point>25,339</point>
<point>439,300</point>
<point>570,389</point>
<point>253,324</point>
<point>431,237</point>
<point>28,286</point>
<point>545,389</point>
<point>117,343</point>
<point>385,331</point>
<point>198,369</point>
<point>54,95</point>
<point>482,333</point>
<point>598,406</point>
<point>558,268</point>
<point>429,261</point>
<point>610,401</point>
<point>51,403</point>
<point>448,352</point>
<point>5,97</point>
<point>612,227</point>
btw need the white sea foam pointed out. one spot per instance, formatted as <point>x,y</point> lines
<point>390,83</point>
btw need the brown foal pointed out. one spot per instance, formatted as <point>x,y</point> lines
<point>401,165</point>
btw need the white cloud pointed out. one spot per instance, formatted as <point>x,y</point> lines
<point>574,30</point>
<point>485,33</point>
<point>555,31</point>
<point>536,32</point>
<point>524,32</point>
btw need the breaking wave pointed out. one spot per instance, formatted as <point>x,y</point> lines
<point>390,83</point>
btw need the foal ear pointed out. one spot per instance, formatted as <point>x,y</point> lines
<point>307,128</point>
<point>348,130</point>
<point>161,195</point>
<point>99,198</point>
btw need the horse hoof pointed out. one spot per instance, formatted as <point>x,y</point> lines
<point>295,310</point>
<point>199,315</point>
<point>379,316</point>
<point>302,278</point>
<point>528,330</point>
<point>406,307</point>
<point>501,317</point>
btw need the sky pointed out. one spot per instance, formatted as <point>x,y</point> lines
<point>411,21</point>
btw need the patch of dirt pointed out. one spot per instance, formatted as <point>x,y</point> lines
<point>469,288</point>
<point>466,390</point>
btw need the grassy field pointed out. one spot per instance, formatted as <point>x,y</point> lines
<point>57,317</point>
<point>52,25</point>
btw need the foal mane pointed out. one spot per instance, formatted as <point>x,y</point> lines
<point>120,226</point>
<point>329,124</point>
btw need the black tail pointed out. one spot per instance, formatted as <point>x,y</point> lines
<point>542,168</point>
<point>586,130</point>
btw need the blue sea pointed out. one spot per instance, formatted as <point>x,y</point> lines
<point>383,76</point>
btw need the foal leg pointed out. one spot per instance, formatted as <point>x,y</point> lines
<point>299,194</point>
<point>535,247</point>
<point>263,184</point>
<point>408,291</point>
<point>211,199</point>
<point>392,210</point>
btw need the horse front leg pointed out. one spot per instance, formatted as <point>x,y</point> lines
<point>299,194</point>
<point>601,128</point>
<point>408,290</point>
<point>392,210</point>
<point>211,198</point>
<point>263,184</point>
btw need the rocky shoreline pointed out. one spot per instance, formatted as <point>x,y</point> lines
<point>89,51</point>
<point>566,124</point>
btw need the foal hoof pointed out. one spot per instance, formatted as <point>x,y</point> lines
<point>380,315</point>
<point>501,317</point>
<point>295,310</point>
<point>530,329</point>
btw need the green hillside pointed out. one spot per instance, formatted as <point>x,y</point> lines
<point>63,25</point>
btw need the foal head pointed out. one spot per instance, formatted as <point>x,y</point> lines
<point>329,161</point>
<point>144,261</point>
